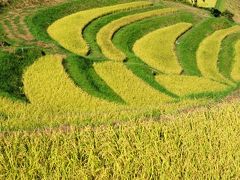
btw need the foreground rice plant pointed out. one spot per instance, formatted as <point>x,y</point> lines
<point>105,35</point>
<point>68,30</point>
<point>198,145</point>
<point>207,54</point>
<point>157,48</point>
<point>189,85</point>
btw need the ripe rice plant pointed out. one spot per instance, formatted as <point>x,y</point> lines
<point>190,41</point>
<point>235,74</point>
<point>208,51</point>
<point>205,3</point>
<point>47,84</point>
<point>227,54</point>
<point>157,48</point>
<point>68,30</point>
<point>90,32</point>
<point>190,85</point>
<point>189,146</point>
<point>132,89</point>
<point>105,35</point>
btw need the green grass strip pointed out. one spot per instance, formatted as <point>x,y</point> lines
<point>227,54</point>
<point>12,67</point>
<point>90,32</point>
<point>105,35</point>
<point>127,36</point>
<point>68,30</point>
<point>207,54</point>
<point>188,44</point>
<point>82,72</point>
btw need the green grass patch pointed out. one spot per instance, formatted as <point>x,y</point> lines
<point>43,18</point>
<point>20,27</point>
<point>135,31</point>
<point>82,72</point>
<point>12,67</point>
<point>90,32</point>
<point>189,42</point>
<point>227,54</point>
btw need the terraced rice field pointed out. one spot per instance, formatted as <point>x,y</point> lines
<point>119,63</point>
<point>123,58</point>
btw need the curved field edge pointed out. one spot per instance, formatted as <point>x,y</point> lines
<point>208,51</point>
<point>105,35</point>
<point>137,66</point>
<point>235,73</point>
<point>47,84</point>
<point>188,44</point>
<point>192,86</point>
<point>64,30</point>
<point>157,48</point>
<point>90,32</point>
<point>131,88</point>
<point>42,18</point>
<point>84,76</point>
<point>12,66</point>
<point>227,55</point>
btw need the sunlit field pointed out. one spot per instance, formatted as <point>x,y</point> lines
<point>119,90</point>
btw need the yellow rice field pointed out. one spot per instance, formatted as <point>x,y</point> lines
<point>235,74</point>
<point>157,48</point>
<point>207,54</point>
<point>68,30</point>
<point>104,36</point>
<point>189,85</point>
